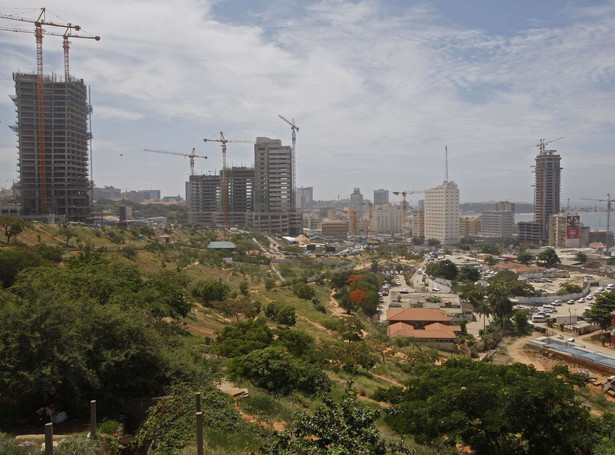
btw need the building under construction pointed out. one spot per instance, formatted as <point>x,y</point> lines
<point>546,196</point>
<point>204,195</point>
<point>259,197</point>
<point>53,148</point>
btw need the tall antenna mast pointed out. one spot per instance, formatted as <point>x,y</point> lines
<point>445,163</point>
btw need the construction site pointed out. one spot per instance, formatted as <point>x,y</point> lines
<point>52,132</point>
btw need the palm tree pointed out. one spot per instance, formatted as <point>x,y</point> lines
<point>497,296</point>
<point>483,308</point>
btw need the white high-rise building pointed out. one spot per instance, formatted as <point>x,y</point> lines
<point>442,213</point>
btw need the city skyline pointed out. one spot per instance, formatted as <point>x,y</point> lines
<point>377,88</point>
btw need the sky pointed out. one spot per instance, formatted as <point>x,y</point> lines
<point>378,89</point>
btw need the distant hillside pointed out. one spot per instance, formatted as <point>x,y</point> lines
<point>475,208</point>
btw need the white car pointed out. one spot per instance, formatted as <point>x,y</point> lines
<point>581,300</point>
<point>589,297</point>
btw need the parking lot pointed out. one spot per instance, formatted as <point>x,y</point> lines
<point>576,307</point>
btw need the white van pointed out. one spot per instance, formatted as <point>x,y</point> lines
<point>549,307</point>
<point>538,318</point>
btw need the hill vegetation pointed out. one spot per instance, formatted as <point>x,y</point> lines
<point>118,316</point>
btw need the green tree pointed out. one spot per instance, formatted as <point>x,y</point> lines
<point>489,248</point>
<point>207,291</point>
<point>525,257</point>
<point>548,258</point>
<point>442,269</point>
<point>581,257</point>
<point>521,322</point>
<point>569,288</point>
<point>303,291</point>
<point>468,273</point>
<point>13,261</point>
<point>66,232</point>
<point>76,350</point>
<point>600,312</point>
<point>348,427</point>
<point>276,370</point>
<point>13,226</point>
<point>501,306</point>
<point>269,283</point>
<point>244,288</point>
<point>343,297</point>
<point>433,242</point>
<point>286,316</point>
<point>503,409</point>
<point>490,260</point>
<point>242,338</point>
<point>484,309</point>
<point>297,342</point>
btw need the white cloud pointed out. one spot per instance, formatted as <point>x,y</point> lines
<point>377,96</point>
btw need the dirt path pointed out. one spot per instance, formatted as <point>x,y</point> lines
<point>518,352</point>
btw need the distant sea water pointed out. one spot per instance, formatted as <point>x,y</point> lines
<point>595,220</point>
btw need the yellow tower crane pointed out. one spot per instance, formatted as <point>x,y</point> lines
<point>190,155</point>
<point>404,209</point>
<point>39,32</point>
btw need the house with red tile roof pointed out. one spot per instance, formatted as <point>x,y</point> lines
<point>423,324</point>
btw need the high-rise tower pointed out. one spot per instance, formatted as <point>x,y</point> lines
<point>442,213</point>
<point>273,186</point>
<point>547,195</point>
<point>55,183</point>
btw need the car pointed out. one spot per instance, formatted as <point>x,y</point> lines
<point>581,300</point>
<point>557,303</point>
<point>385,293</point>
<point>570,340</point>
<point>589,297</point>
<point>436,289</point>
<point>570,302</point>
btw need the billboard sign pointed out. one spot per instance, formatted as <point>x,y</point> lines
<point>572,227</point>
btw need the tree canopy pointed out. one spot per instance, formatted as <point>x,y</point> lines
<point>548,258</point>
<point>510,409</point>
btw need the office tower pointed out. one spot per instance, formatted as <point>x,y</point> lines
<point>442,213</point>
<point>53,148</point>
<point>273,211</point>
<point>469,226</point>
<point>498,224</point>
<point>381,196</point>
<point>273,176</point>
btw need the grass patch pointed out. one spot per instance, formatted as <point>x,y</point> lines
<point>266,406</point>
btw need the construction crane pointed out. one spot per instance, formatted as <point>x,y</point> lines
<point>66,43</point>
<point>543,143</point>
<point>608,201</point>
<point>223,141</point>
<point>294,129</point>
<point>404,209</point>
<point>190,155</point>
<point>40,92</point>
